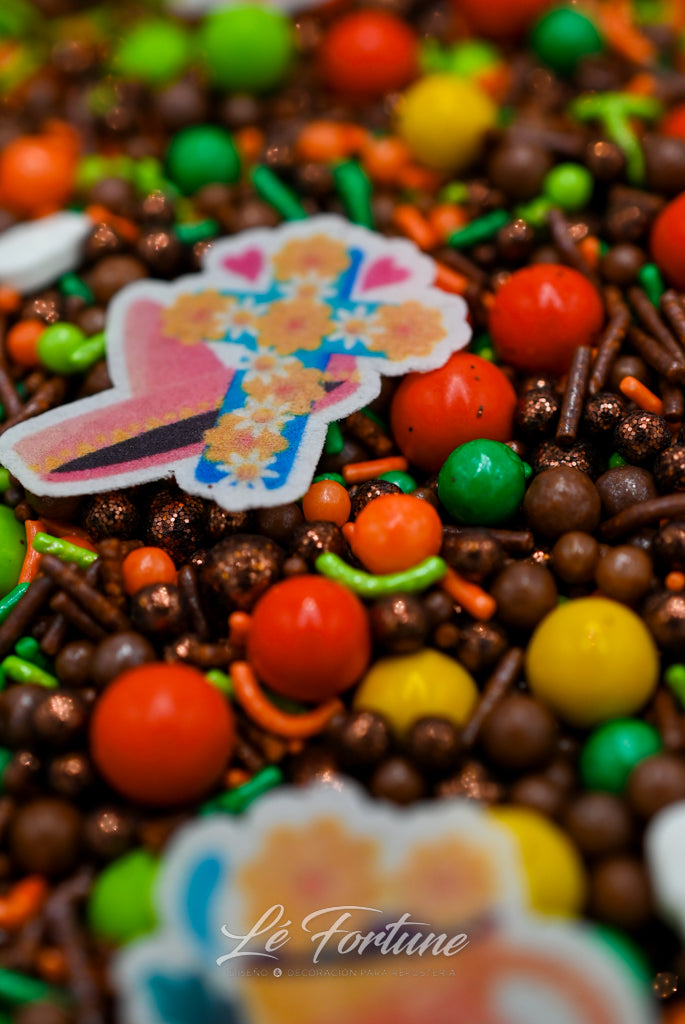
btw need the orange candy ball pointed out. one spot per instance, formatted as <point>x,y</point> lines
<point>161,734</point>
<point>22,342</point>
<point>37,173</point>
<point>147,565</point>
<point>367,53</point>
<point>327,500</point>
<point>395,532</point>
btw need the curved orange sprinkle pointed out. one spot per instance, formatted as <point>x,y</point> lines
<point>449,280</point>
<point>358,472</point>
<point>22,902</point>
<point>414,225</point>
<point>32,557</point>
<point>255,703</point>
<point>636,391</point>
<point>618,28</point>
<point>126,228</point>
<point>473,599</point>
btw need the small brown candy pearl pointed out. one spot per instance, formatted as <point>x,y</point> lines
<point>665,163</point>
<point>315,764</point>
<point>434,745</point>
<point>669,469</point>
<point>44,837</point>
<point>71,775</point>
<point>517,168</point>
<point>362,740</point>
<point>366,492</point>
<point>239,569</point>
<point>474,553</point>
<point>640,436</point>
<point>599,823</point>
<point>17,708</point>
<point>668,547</point>
<point>157,610</point>
<point>279,522</point>
<point>110,515</point>
<point>575,556</point>
<point>624,486</point>
<point>664,616</point>
<point>117,653</point>
<point>539,793</point>
<point>620,893</point>
<point>60,718</point>
<point>628,366</point>
<point>439,607</point>
<point>175,523</point>
<point>480,646</point>
<point>621,264</point>
<point>625,573</point>
<point>161,251</point>
<point>399,623</point>
<point>309,540</point>
<point>112,273</point>
<point>560,500</point>
<point>519,734</point>
<point>108,833</point>
<point>21,775</point>
<point>398,780</point>
<point>525,593</point>
<point>655,783</point>
<point>73,663</point>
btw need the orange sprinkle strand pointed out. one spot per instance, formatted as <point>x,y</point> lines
<point>590,250</point>
<point>22,902</point>
<point>238,628</point>
<point>255,703</point>
<point>449,280</point>
<point>414,225</point>
<point>126,228</point>
<point>618,28</point>
<point>32,557</point>
<point>473,599</point>
<point>60,529</point>
<point>636,391</point>
<point>250,142</point>
<point>236,777</point>
<point>358,472</point>
<point>418,178</point>
<point>675,581</point>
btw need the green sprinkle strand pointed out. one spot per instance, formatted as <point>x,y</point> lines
<point>18,989</point>
<point>9,600</point>
<point>651,280</point>
<point>89,353</point>
<point>197,230</point>
<point>410,581</point>
<point>480,230</point>
<point>355,191</point>
<point>26,672</point>
<point>237,800</point>
<point>220,681</point>
<point>335,442</point>
<point>272,190</point>
<point>64,550</point>
<point>4,478</point>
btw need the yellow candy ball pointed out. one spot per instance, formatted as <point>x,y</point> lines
<point>552,865</point>
<point>414,686</point>
<point>443,119</point>
<point>592,660</point>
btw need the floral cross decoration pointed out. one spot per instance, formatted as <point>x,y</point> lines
<point>260,918</point>
<point>228,378</point>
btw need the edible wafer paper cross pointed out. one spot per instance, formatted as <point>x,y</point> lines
<point>228,379</point>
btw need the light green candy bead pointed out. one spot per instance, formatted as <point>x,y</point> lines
<point>120,906</point>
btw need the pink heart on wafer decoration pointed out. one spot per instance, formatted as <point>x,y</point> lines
<point>382,273</point>
<point>246,264</point>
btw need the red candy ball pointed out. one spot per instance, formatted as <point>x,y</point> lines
<point>161,734</point>
<point>309,638</point>
<point>668,241</point>
<point>501,19</point>
<point>466,399</point>
<point>368,53</point>
<point>541,315</point>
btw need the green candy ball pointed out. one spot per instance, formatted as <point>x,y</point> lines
<point>406,483</point>
<point>482,482</point>
<point>563,37</point>
<point>200,156</point>
<point>13,547</point>
<point>57,344</point>
<point>249,48</point>
<point>155,52</point>
<point>569,186</point>
<point>613,750</point>
<point>120,907</point>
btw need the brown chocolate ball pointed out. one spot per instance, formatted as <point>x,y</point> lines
<point>17,707</point>
<point>539,793</point>
<point>665,163</point>
<point>640,436</point>
<point>111,273</point>
<point>655,783</point>
<point>363,493</point>
<point>518,168</point>
<point>110,515</point>
<point>71,775</point>
<point>254,213</point>
<point>668,547</point>
<point>60,719</point>
<point>397,779</point>
<point>362,740</point>
<point>621,264</point>
<point>560,500</point>
<point>117,653</point>
<point>279,522</point>
<point>434,745</point>
<point>604,160</point>
<point>625,573</point>
<point>624,486</point>
<point>575,556</point>
<point>161,251</point>
<point>399,623</point>
<point>474,553</point>
<point>108,832</point>
<point>73,663</point>
<point>175,523</point>
<point>602,413</point>
<point>239,569</point>
<point>664,616</point>
<point>580,456</point>
<point>44,837</point>
<point>438,606</point>
<point>157,610</point>
<point>620,893</point>
<point>117,194</point>
<point>599,823</point>
<point>519,734</point>
<point>669,469</point>
<point>309,540</point>
<point>181,104</point>
<point>21,775</point>
<point>480,646</point>
<point>315,764</point>
<point>629,366</point>
<point>525,593</point>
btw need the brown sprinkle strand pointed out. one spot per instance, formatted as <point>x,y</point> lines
<point>574,395</point>
<point>633,518</point>
<point>75,584</point>
<point>655,354</point>
<point>190,595</point>
<point>24,612</point>
<point>609,347</point>
<point>652,322</point>
<point>500,682</point>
